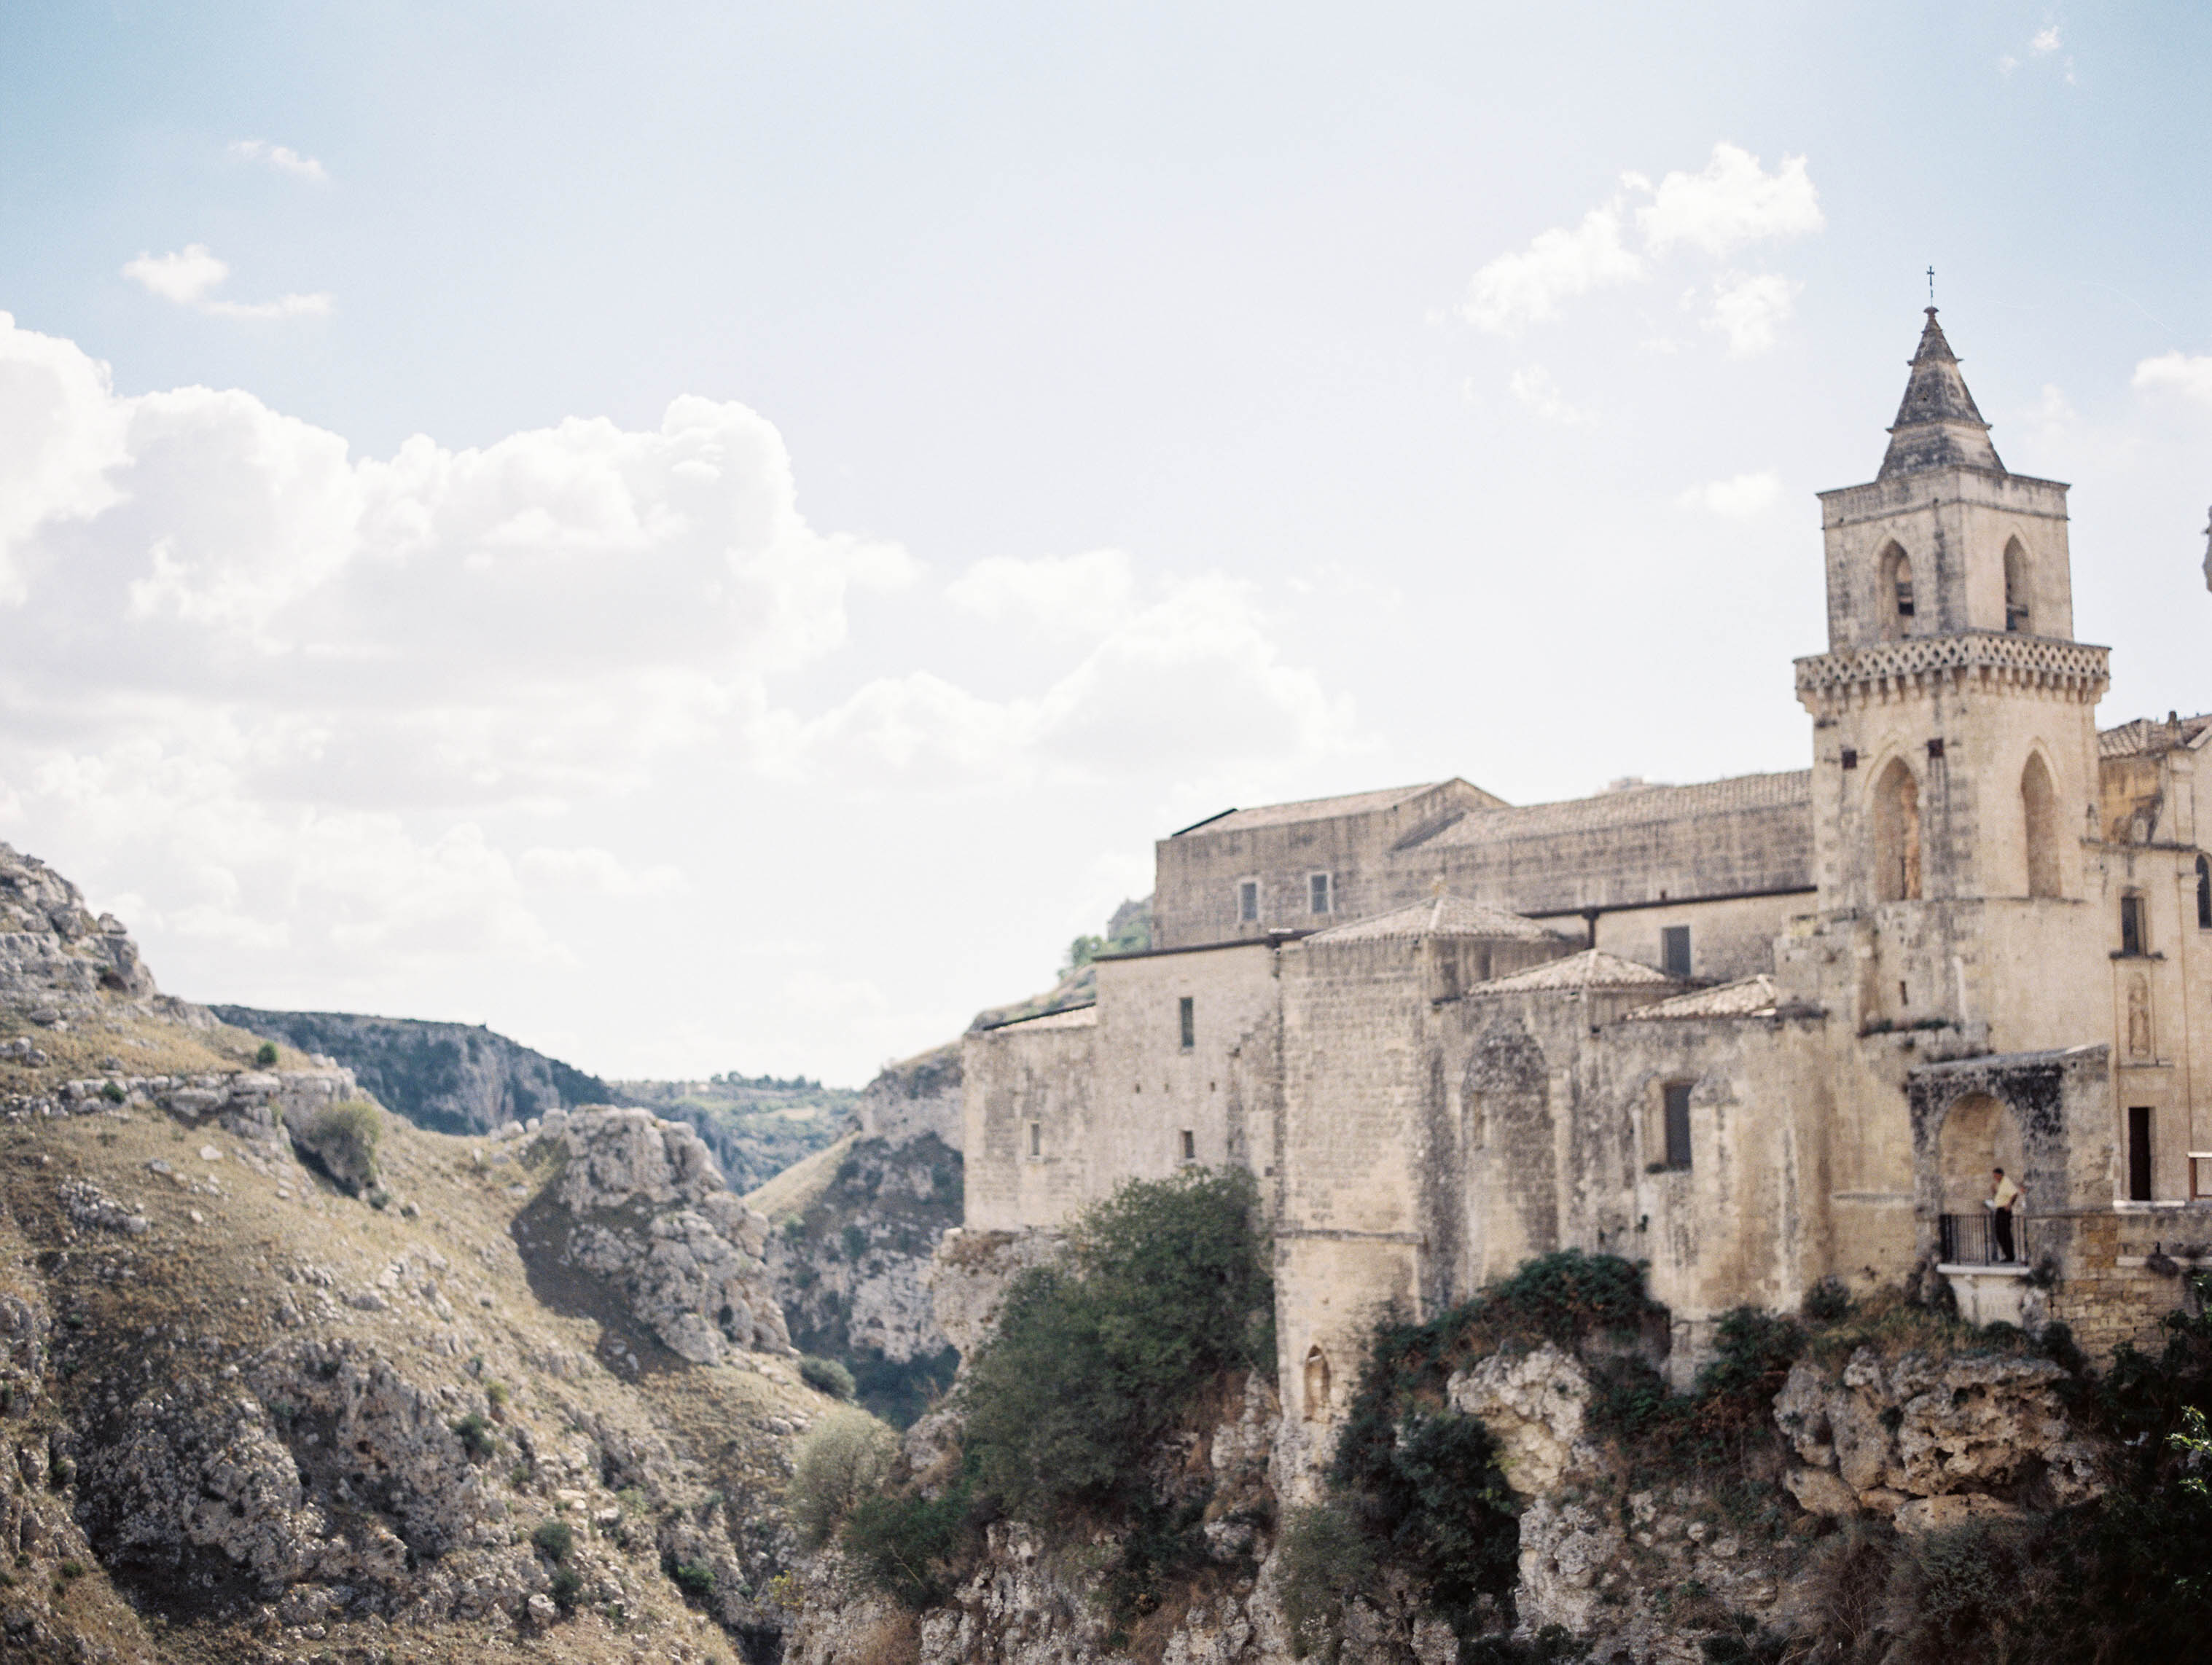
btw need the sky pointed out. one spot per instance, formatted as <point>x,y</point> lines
<point>715,537</point>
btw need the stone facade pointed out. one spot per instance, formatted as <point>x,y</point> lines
<point>1757,1033</point>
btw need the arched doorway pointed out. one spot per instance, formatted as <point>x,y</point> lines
<point>1980,1134</point>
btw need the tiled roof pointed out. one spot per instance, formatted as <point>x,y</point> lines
<point>1315,809</point>
<point>1751,997</point>
<point>2146,734</point>
<point>1632,807</point>
<point>1592,969</point>
<point>1441,916</point>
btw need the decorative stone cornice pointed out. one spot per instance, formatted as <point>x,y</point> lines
<point>1986,659</point>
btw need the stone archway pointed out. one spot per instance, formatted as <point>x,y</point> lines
<point>1315,1385</point>
<point>1978,1134</point>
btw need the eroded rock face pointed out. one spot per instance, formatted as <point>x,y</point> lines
<point>652,1216</point>
<point>1533,1404</point>
<point>55,958</point>
<point>968,1276</point>
<point>1883,1434</point>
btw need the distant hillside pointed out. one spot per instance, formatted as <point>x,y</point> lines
<point>757,1126</point>
<point>449,1078</point>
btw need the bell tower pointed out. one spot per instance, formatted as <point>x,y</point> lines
<point>1954,745</point>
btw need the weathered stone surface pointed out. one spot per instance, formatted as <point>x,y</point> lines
<point>1533,1404</point>
<point>649,1213</point>
<point>968,1274</point>
<point>1923,1427</point>
<point>1955,1508</point>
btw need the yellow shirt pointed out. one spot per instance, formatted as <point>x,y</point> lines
<point>2007,1193</point>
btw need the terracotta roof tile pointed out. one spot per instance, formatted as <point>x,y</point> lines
<point>1441,916</point>
<point>1592,969</point>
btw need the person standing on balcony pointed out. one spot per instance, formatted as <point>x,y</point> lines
<point>2003,1197</point>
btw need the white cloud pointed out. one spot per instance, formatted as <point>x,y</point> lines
<point>1744,497</point>
<point>185,276</point>
<point>283,158</point>
<point>1188,683</point>
<point>2177,372</point>
<point>189,276</point>
<point>1750,311</point>
<point>1733,201</point>
<point>332,711</point>
<point>1062,594</point>
<point>597,871</point>
<point>1524,287</point>
<point>1532,384</point>
<point>2046,40</point>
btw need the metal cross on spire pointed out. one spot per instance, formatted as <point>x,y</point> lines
<point>1931,286</point>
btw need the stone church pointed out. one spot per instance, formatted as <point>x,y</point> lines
<point>1757,1032</point>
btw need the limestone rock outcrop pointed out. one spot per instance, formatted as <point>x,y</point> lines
<point>1880,1434</point>
<point>648,1212</point>
<point>56,958</point>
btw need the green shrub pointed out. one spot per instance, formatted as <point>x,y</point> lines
<point>555,1538</point>
<point>476,1436</point>
<point>826,1375</point>
<point>112,1092</point>
<point>906,1545</point>
<point>496,1395</point>
<point>695,1579</point>
<point>265,1054</point>
<point>341,1138</point>
<point>855,1242</point>
<point>1828,1302</point>
<point>844,1459</point>
<point>567,1585</point>
<point>1162,1289</point>
<point>1323,1559</point>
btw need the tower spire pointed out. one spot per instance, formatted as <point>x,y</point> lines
<point>1937,425</point>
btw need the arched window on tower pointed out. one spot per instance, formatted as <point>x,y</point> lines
<point>2038,808</point>
<point>1896,597</point>
<point>2205,893</point>
<point>1897,834</point>
<point>2017,613</point>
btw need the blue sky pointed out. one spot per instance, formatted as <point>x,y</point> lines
<point>715,538</point>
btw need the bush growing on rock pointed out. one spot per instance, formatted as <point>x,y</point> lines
<point>844,1460</point>
<point>1323,1559</point>
<point>555,1538</point>
<point>341,1139</point>
<point>1162,1295</point>
<point>265,1054</point>
<point>1163,1287</point>
<point>826,1375</point>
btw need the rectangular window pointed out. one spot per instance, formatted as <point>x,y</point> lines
<point>2139,1153</point>
<point>1189,1146</point>
<point>1037,1139</point>
<point>1677,1099</point>
<point>1186,1012</point>
<point>1675,951</point>
<point>1319,886</point>
<point>1248,900</point>
<point>2131,924</point>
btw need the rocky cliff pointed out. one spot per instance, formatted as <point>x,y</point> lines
<point>450,1078</point>
<point>283,1378</point>
<point>855,1227</point>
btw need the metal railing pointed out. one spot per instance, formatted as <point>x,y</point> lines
<point>1972,1239</point>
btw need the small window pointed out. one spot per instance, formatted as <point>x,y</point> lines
<point>1319,888</point>
<point>1248,900</point>
<point>1316,1384</point>
<point>1675,951</point>
<point>2139,1153</point>
<point>1037,1139</point>
<point>1187,1014</point>
<point>1189,1146</point>
<point>2015,578</point>
<point>2131,924</point>
<point>2205,893</point>
<point>1677,1104</point>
